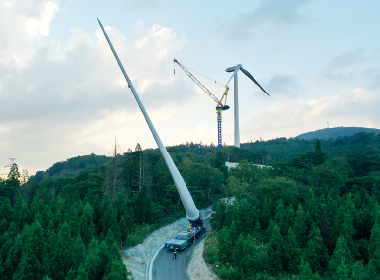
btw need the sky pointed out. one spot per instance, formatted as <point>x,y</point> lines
<point>62,93</point>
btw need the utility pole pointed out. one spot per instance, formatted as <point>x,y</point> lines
<point>9,165</point>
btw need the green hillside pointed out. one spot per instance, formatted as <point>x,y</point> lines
<point>336,132</point>
<point>314,214</point>
<point>70,167</point>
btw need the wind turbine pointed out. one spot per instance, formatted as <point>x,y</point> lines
<point>235,70</point>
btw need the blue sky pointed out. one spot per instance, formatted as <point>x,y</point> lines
<point>62,93</point>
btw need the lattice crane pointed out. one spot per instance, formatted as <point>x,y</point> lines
<point>219,108</point>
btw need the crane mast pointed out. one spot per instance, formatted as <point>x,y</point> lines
<point>219,108</point>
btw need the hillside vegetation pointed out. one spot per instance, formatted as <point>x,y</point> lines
<point>336,132</point>
<point>68,228</point>
<point>319,198</point>
<point>311,217</point>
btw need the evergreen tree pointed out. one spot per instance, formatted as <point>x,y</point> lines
<point>306,273</point>
<point>342,272</point>
<point>319,157</point>
<point>316,252</point>
<point>13,177</point>
<point>117,271</point>
<point>374,246</point>
<point>341,252</point>
<point>143,207</point>
<point>300,227</point>
<point>292,252</point>
<point>86,224</point>
<point>82,274</point>
<point>8,269</point>
<point>108,217</point>
<point>64,249</point>
<point>275,251</point>
<point>265,214</point>
<point>32,265</point>
<point>225,245</point>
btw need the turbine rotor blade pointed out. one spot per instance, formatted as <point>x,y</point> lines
<point>252,78</point>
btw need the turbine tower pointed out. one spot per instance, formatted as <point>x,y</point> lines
<point>235,70</point>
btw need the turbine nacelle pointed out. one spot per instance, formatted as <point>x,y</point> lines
<point>233,68</point>
<point>238,67</point>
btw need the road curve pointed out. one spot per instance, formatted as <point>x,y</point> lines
<point>165,267</point>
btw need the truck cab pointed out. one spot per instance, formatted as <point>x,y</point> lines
<point>180,241</point>
<point>185,238</point>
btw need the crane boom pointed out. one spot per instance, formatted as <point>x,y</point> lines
<point>195,80</point>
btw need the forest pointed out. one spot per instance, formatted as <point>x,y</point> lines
<point>314,212</point>
<point>70,228</point>
<point>311,217</point>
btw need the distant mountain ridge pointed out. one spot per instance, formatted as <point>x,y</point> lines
<point>335,132</point>
<point>335,142</point>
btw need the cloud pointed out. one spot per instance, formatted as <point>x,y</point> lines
<point>357,107</point>
<point>68,101</point>
<point>347,58</point>
<point>356,66</point>
<point>23,25</point>
<point>283,85</point>
<point>277,13</point>
<point>259,22</point>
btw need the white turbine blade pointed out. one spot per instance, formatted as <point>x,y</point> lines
<point>252,78</point>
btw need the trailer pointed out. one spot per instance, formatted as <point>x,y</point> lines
<point>185,238</point>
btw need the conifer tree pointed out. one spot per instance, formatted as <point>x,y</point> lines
<point>374,246</point>
<point>13,177</point>
<point>124,230</point>
<point>342,271</point>
<point>316,252</point>
<point>33,261</point>
<point>341,252</point>
<point>86,224</point>
<point>275,251</point>
<point>117,271</point>
<point>306,273</point>
<point>265,214</point>
<point>61,257</point>
<point>82,274</point>
<point>292,252</point>
<point>224,245</point>
<point>8,269</point>
<point>108,217</point>
<point>300,227</point>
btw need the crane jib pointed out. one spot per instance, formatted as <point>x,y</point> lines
<point>195,80</point>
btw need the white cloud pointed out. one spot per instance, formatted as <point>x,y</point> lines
<point>357,107</point>
<point>23,24</point>
<point>38,27</point>
<point>71,101</point>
